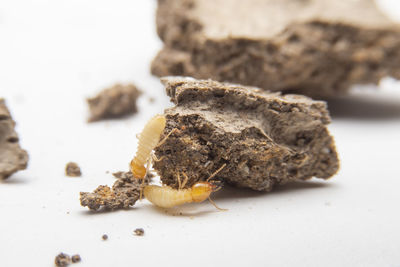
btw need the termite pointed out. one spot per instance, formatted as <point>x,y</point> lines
<point>149,138</point>
<point>168,197</point>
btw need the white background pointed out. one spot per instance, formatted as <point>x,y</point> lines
<point>54,54</point>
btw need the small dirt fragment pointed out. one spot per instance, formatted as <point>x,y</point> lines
<point>76,258</point>
<point>139,231</point>
<point>124,193</point>
<point>104,237</point>
<point>114,102</point>
<point>12,157</point>
<point>62,260</point>
<point>72,170</point>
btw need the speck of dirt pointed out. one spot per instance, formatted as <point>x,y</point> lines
<point>139,231</point>
<point>62,260</point>
<point>72,170</point>
<point>76,258</point>
<point>104,237</point>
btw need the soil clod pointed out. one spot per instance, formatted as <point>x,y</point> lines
<point>72,169</point>
<point>123,194</point>
<point>265,139</point>
<point>114,102</point>
<point>12,157</point>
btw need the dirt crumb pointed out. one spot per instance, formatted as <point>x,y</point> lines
<point>123,194</point>
<point>72,169</point>
<point>104,237</point>
<point>12,157</point>
<point>76,258</point>
<point>139,231</point>
<point>114,102</point>
<point>62,260</point>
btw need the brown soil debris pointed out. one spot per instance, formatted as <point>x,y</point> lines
<point>72,169</point>
<point>12,157</point>
<point>62,260</point>
<point>265,138</point>
<point>318,48</point>
<point>114,102</point>
<point>124,193</point>
<point>139,231</point>
<point>104,237</point>
<point>76,258</point>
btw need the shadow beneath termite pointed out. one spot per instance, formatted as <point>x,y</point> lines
<point>188,210</point>
<point>230,192</point>
<point>225,195</point>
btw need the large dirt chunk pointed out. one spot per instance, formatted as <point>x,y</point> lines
<point>264,138</point>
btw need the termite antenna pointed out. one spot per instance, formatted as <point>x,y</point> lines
<point>216,172</point>
<point>215,205</point>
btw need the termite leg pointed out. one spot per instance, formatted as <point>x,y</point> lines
<point>211,176</point>
<point>144,179</point>
<point>166,137</point>
<point>215,205</point>
<point>185,181</point>
<point>155,159</point>
<point>147,168</point>
<point>179,182</point>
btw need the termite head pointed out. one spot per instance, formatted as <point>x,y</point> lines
<point>202,190</point>
<point>138,170</point>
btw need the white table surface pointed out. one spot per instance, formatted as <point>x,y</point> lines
<point>54,54</point>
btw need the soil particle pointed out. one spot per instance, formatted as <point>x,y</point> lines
<point>139,231</point>
<point>72,169</point>
<point>62,260</point>
<point>76,258</point>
